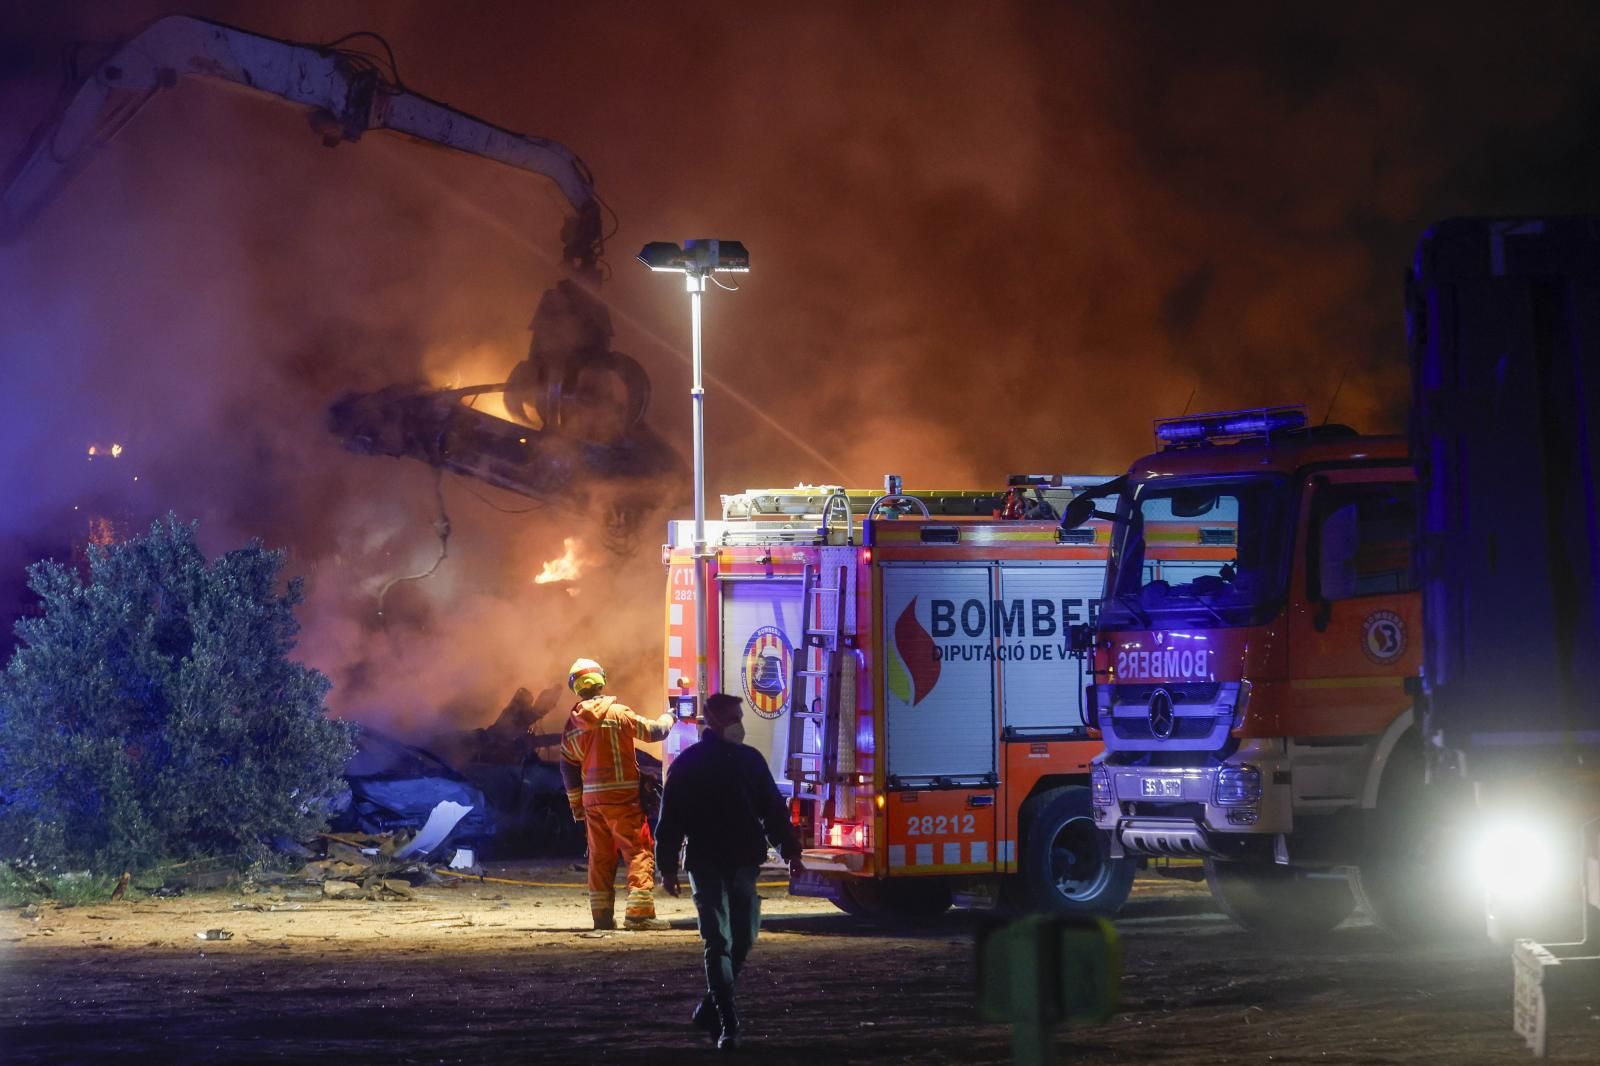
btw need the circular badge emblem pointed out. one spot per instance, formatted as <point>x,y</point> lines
<point>764,672</point>
<point>1383,637</point>
<point>1162,717</point>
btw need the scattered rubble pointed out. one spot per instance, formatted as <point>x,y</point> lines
<point>381,867</point>
<point>343,890</point>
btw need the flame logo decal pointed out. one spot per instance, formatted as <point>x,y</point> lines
<point>914,671</point>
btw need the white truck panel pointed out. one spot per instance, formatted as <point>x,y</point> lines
<point>1041,684</point>
<point>938,700</point>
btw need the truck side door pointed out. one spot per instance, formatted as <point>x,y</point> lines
<point>939,713</point>
<point>1354,626</point>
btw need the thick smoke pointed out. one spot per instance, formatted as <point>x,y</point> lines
<point>986,239</point>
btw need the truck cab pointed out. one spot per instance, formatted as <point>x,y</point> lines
<point>1251,687</point>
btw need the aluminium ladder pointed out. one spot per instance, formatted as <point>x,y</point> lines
<point>814,687</point>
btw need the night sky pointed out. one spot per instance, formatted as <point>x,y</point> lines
<point>986,238</point>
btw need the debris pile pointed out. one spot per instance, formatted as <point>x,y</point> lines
<point>379,867</point>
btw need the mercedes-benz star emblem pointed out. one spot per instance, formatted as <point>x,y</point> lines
<point>1162,720</point>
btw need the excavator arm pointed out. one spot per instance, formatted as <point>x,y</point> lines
<point>581,404</point>
<point>347,96</point>
<point>343,91</point>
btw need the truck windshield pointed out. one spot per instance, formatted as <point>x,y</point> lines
<point>1204,553</point>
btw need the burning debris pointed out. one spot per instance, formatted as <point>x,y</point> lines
<point>567,567</point>
<point>619,480</point>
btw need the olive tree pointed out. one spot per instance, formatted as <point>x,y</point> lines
<point>151,710</point>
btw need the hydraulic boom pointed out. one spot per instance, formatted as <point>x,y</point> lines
<point>580,404</point>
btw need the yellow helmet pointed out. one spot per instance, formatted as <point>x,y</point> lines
<point>583,668</point>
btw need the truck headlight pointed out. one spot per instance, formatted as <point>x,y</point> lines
<point>1515,860</point>
<point>1100,785</point>
<point>1238,786</point>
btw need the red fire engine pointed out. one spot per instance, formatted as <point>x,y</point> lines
<point>1255,708</point>
<point>906,665</point>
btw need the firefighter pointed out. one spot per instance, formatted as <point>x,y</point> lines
<point>721,799</point>
<point>602,780</point>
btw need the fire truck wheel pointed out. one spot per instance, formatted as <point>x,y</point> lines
<point>1280,901</point>
<point>1066,862</point>
<point>916,901</point>
<point>1406,880</point>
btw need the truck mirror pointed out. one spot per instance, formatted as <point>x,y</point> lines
<point>1078,510</point>
<point>1081,637</point>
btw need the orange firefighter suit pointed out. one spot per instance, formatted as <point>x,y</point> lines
<point>602,781</point>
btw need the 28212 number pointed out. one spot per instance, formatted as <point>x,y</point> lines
<point>934,825</point>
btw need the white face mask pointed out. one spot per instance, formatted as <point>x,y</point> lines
<point>733,734</point>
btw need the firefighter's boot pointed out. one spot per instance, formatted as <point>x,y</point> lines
<point>645,925</point>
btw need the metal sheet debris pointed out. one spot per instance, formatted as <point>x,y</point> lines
<point>434,832</point>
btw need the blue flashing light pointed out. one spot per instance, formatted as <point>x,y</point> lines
<point>1228,425</point>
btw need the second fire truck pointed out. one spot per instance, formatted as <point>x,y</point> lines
<point>1257,710</point>
<point>906,664</point>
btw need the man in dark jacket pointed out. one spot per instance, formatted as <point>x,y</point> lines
<point>721,796</point>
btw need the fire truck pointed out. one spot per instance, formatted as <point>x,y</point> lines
<point>1256,707</point>
<point>906,666</point>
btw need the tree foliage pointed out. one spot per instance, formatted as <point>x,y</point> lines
<point>151,711</point>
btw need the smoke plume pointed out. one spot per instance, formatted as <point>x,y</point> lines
<point>986,239</point>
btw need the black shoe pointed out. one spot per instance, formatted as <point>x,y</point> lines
<point>705,1017</point>
<point>604,923</point>
<point>727,1025</point>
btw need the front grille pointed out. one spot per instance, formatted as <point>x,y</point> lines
<point>1188,727</point>
<point>1181,692</point>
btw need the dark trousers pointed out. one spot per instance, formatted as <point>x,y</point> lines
<point>730,916</point>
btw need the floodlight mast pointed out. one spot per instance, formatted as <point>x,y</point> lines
<point>696,284</point>
<point>696,260</point>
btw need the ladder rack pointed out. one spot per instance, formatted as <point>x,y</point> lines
<point>814,685</point>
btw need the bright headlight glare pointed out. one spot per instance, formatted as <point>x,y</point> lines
<point>1514,860</point>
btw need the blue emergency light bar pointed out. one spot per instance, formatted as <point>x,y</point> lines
<point>1228,425</point>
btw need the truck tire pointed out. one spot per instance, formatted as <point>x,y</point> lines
<point>903,901</point>
<point>1406,881</point>
<point>1066,863</point>
<point>1279,901</point>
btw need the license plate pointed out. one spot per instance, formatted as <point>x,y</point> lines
<point>1165,787</point>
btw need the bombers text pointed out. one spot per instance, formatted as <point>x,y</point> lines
<point>1009,618</point>
<point>1165,663</point>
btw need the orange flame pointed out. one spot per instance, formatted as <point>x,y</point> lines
<point>565,568</point>
<point>454,368</point>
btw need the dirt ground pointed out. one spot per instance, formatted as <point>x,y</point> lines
<point>489,973</point>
